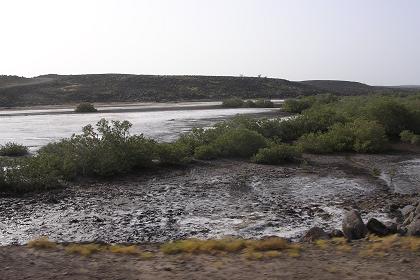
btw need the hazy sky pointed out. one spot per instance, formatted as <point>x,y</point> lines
<point>372,41</point>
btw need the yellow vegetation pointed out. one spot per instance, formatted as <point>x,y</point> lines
<point>379,246</point>
<point>224,245</point>
<point>121,249</point>
<point>42,243</point>
<point>83,249</point>
<point>321,243</point>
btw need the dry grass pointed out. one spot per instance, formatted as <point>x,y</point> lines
<point>83,249</point>
<point>126,250</point>
<point>341,244</point>
<point>42,243</point>
<point>321,244</point>
<point>380,246</point>
<point>195,246</point>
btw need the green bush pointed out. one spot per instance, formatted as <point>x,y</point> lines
<point>13,150</point>
<point>410,137</point>
<point>250,104</point>
<point>206,152</point>
<point>391,114</point>
<point>28,175</point>
<point>174,153</point>
<point>264,103</point>
<point>240,142</point>
<point>277,154</point>
<point>233,103</point>
<point>109,151</point>
<point>296,106</point>
<point>85,108</point>
<point>358,136</point>
<point>300,105</point>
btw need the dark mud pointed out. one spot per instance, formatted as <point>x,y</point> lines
<point>211,200</point>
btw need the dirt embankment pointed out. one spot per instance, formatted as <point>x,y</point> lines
<point>314,262</point>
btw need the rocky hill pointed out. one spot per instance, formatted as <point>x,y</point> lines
<point>70,89</point>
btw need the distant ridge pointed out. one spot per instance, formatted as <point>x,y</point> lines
<point>71,89</point>
<point>341,87</point>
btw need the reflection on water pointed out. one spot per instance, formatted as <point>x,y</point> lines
<point>37,130</point>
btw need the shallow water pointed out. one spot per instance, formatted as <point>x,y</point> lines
<point>36,130</point>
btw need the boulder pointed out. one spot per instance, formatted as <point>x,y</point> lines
<point>417,211</point>
<point>409,219</point>
<point>315,233</point>
<point>336,233</point>
<point>392,227</point>
<point>376,227</point>
<point>353,226</point>
<point>405,211</point>
<point>414,228</point>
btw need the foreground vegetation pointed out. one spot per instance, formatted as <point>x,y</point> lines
<point>326,125</point>
<point>267,248</point>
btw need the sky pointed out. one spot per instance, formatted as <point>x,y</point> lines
<point>371,41</point>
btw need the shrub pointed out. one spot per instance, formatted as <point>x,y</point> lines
<point>174,153</point>
<point>358,136</point>
<point>250,104</point>
<point>31,174</point>
<point>85,108</point>
<point>300,105</point>
<point>108,151</point>
<point>13,150</point>
<point>206,152</point>
<point>277,154</point>
<point>240,142</point>
<point>295,105</point>
<point>369,136</point>
<point>410,137</point>
<point>391,114</point>
<point>233,103</point>
<point>264,103</point>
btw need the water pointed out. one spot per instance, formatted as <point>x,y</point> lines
<point>164,122</point>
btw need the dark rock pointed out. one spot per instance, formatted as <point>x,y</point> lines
<point>353,226</point>
<point>376,227</point>
<point>336,233</point>
<point>414,228</point>
<point>315,233</point>
<point>392,227</point>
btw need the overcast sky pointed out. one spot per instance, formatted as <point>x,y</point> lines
<point>372,41</point>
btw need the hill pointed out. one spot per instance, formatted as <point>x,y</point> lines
<point>71,89</point>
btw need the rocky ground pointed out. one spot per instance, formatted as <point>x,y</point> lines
<point>314,262</point>
<point>215,199</point>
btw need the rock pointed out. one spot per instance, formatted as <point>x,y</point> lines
<point>315,233</point>
<point>353,226</point>
<point>409,219</point>
<point>404,260</point>
<point>392,227</point>
<point>336,233</point>
<point>417,211</point>
<point>414,228</point>
<point>405,211</point>
<point>376,227</point>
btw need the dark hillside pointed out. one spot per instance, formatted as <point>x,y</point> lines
<point>71,89</point>
<point>59,89</point>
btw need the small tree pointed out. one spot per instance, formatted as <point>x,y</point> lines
<point>85,108</point>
